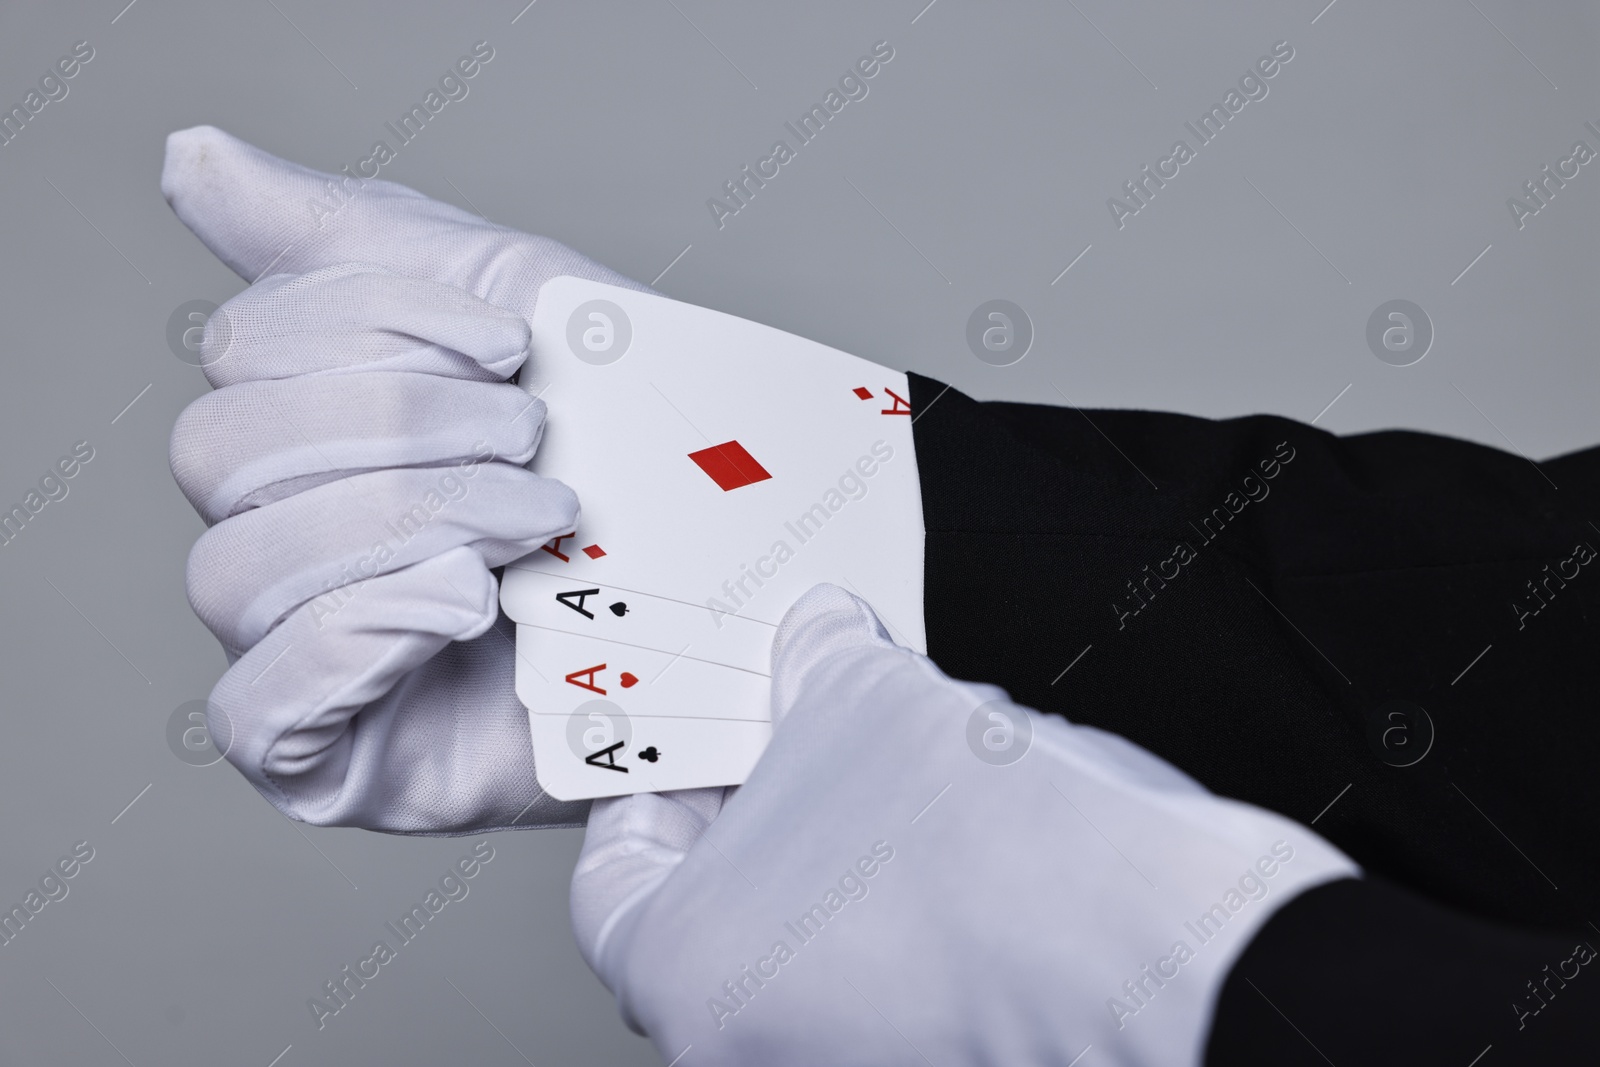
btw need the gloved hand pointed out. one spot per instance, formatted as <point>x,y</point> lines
<point>360,468</point>
<point>886,889</point>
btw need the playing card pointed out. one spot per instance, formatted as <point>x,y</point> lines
<point>629,617</point>
<point>559,671</point>
<point>600,751</point>
<point>720,462</point>
<point>723,468</point>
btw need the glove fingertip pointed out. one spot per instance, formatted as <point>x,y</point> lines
<point>185,155</point>
<point>232,195</point>
<point>825,620</point>
<point>511,343</point>
<point>561,510</point>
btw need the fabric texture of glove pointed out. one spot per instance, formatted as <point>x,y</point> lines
<point>360,466</point>
<point>893,884</point>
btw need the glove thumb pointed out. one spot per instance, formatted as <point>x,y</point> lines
<point>262,214</point>
<point>633,843</point>
<point>825,621</point>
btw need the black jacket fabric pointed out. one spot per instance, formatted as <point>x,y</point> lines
<point>1361,972</point>
<point>1391,637</point>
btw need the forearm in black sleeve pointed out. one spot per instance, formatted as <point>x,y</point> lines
<point>1390,636</point>
<point>1362,972</point>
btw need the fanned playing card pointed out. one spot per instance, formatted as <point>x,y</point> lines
<point>724,468</point>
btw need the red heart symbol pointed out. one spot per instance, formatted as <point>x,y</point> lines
<point>629,680</point>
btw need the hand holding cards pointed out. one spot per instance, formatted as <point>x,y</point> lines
<point>724,468</point>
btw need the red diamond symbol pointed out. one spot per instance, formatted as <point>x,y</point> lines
<point>594,551</point>
<point>729,465</point>
<point>863,392</point>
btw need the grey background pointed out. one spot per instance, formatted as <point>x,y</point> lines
<point>977,168</point>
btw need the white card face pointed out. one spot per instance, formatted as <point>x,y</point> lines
<point>630,617</point>
<point>557,672</point>
<point>721,462</point>
<point>600,752</point>
<point>724,468</point>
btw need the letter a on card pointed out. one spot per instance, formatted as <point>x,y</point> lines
<point>588,673</point>
<point>581,595</point>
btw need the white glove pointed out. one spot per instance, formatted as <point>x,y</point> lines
<point>879,893</point>
<point>360,467</point>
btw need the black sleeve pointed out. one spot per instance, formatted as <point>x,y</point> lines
<point>1361,972</point>
<point>1390,637</point>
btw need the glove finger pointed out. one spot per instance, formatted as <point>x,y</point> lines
<point>262,214</point>
<point>248,445</point>
<point>246,573</point>
<point>630,846</point>
<point>356,316</point>
<point>393,714</point>
<point>810,652</point>
<point>634,843</point>
<point>823,623</point>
